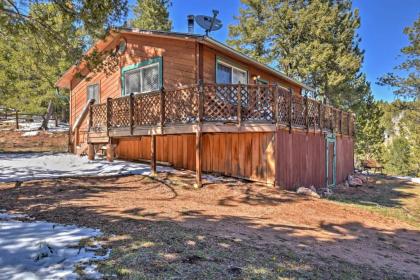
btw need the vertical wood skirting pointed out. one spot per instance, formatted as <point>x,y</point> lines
<point>91,152</point>
<point>153,155</point>
<point>198,159</point>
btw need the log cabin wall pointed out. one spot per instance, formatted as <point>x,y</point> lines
<point>179,63</point>
<point>210,56</point>
<point>244,155</point>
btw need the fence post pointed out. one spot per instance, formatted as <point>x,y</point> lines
<point>306,113</point>
<point>131,112</point>
<point>290,109</point>
<point>17,119</point>
<point>239,108</point>
<point>162,106</point>
<point>341,122</point>
<point>108,114</point>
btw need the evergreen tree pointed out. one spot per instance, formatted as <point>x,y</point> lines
<point>409,85</point>
<point>313,41</point>
<point>369,130</point>
<point>252,22</point>
<point>29,66</point>
<point>152,15</point>
<point>398,157</point>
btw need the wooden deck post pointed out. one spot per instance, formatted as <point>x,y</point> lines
<point>290,110</point>
<point>198,158</point>
<point>162,106</point>
<point>110,152</point>
<point>200,102</point>
<point>153,156</point>
<point>91,152</point>
<point>238,108</point>
<point>131,112</point>
<point>108,114</point>
<point>276,103</point>
<point>320,115</point>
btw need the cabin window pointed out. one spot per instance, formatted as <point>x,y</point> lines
<point>93,92</point>
<point>142,77</point>
<point>229,74</point>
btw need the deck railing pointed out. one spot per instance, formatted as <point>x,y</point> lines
<point>226,103</point>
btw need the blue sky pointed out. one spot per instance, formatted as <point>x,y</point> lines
<point>381,30</point>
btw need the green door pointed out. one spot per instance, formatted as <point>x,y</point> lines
<point>330,160</point>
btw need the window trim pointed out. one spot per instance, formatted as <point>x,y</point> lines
<point>143,64</point>
<point>227,63</point>
<point>99,91</point>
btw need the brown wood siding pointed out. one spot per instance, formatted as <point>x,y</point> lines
<point>179,68</point>
<point>300,159</point>
<point>345,159</point>
<point>243,155</point>
<point>209,69</point>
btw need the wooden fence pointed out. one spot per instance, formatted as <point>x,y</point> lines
<point>227,103</point>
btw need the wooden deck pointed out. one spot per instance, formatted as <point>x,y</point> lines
<point>213,108</point>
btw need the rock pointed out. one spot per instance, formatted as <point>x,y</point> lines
<point>363,178</point>
<point>312,188</point>
<point>307,192</point>
<point>354,181</point>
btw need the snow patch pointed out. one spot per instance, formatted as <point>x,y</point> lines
<point>31,166</point>
<point>43,250</point>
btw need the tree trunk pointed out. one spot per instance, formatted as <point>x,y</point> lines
<point>46,119</point>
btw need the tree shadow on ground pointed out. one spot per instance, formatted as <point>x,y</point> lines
<point>192,244</point>
<point>381,190</point>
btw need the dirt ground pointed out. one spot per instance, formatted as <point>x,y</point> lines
<point>163,228</point>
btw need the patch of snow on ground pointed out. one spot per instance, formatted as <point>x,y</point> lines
<point>411,179</point>
<point>30,166</point>
<point>36,124</point>
<point>42,250</point>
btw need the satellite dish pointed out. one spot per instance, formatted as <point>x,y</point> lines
<point>209,23</point>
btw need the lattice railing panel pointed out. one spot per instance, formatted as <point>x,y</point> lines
<point>220,102</point>
<point>98,117</point>
<point>313,113</point>
<point>284,106</point>
<point>258,103</point>
<point>181,105</point>
<point>147,109</point>
<point>298,110</point>
<point>345,123</point>
<point>120,116</point>
<point>327,118</point>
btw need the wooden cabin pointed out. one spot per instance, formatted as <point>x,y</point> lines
<point>194,103</point>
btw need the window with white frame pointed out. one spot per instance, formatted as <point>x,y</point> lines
<point>142,79</point>
<point>229,74</point>
<point>93,92</point>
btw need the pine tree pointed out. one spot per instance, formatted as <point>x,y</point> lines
<point>408,86</point>
<point>30,66</point>
<point>152,15</point>
<point>313,41</point>
<point>369,130</point>
<point>252,22</point>
<point>398,157</point>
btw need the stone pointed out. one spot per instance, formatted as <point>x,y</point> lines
<point>307,192</point>
<point>354,181</point>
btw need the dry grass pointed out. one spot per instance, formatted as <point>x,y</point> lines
<point>162,228</point>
